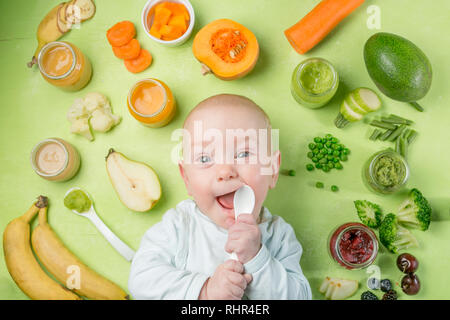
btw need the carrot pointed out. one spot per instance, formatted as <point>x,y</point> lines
<point>121,33</point>
<point>310,30</point>
<point>142,62</point>
<point>129,51</point>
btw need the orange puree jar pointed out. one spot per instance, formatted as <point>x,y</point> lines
<point>63,65</point>
<point>151,102</point>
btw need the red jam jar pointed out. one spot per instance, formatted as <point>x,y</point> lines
<point>353,245</point>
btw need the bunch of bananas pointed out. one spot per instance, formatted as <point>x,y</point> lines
<point>55,257</point>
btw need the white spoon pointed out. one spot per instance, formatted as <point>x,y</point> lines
<point>118,244</point>
<point>243,202</point>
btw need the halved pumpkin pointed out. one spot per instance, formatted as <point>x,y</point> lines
<point>226,48</point>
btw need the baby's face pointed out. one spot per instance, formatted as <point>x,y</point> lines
<point>223,149</point>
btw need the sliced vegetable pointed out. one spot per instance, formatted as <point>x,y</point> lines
<point>128,51</point>
<point>369,213</point>
<point>121,33</point>
<point>315,26</point>
<point>139,64</point>
<point>356,104</point>
<point>376,133</point>
<point>383,125</point>
<point>397,132</point>
<point>386,135</point>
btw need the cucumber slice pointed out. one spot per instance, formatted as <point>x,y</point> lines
<point>354,106</point>
<point>348,113</point>
<point>366,99</point>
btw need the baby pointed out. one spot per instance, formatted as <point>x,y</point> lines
<point>226,144</point>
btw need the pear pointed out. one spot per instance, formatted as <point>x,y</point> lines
<point>136,184</point>
<point>338,289</point>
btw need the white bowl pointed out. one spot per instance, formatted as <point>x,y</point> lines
<point>172,43</point>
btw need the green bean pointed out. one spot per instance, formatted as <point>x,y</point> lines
<point>383,125</point>
<point>397,132</point>
<point>393,121</point>
<point>412,136</point>
<point>403,147</point>
<point>393,116</point>
<point>386,135</point>
<point>376,133</point>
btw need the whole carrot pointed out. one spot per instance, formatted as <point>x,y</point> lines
<point>310,30</point>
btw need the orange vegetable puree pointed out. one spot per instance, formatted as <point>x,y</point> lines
<point>57,60</point>
<point>147,98</point>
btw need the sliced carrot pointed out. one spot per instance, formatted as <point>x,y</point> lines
<point>142,62</point>
<point>129,51</point>
<point>315,26</point>
<point>178,21</point>
<point>121,33</point>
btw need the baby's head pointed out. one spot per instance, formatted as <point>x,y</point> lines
<point>226,144</point>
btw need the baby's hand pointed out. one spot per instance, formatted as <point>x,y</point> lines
<point>244,237</point>
<point>227,283</point>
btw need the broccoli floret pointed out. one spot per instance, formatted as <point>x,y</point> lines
<point>394,237</point>
<point>415,212</point>
<point>369,213</point>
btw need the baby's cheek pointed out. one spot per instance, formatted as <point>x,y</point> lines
<point>258,182</point>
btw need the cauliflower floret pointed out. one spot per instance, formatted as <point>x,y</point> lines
<point>94,101</point>
<point>81,126</point>
<point>77,110</point>
<point>108,111</point>
<point>100,121</point>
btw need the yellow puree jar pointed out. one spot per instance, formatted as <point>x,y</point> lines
<point>63,65</point>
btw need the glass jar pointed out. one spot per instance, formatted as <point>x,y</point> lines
<point>63,65</point>
<point>55,159</point>
<point>314,82</point>
<point>151,102</point>
<point>386,172</point>
<point>353,245</point>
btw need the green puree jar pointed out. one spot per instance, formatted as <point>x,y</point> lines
<point>314,82</point>
<point>386,172</point>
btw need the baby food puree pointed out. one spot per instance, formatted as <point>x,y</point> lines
<point>77,200</point>
<point>151,102</point>
<point>314,82</point>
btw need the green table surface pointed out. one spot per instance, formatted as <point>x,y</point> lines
<point>32,110</point>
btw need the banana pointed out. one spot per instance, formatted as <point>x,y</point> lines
<point>47,31</point>
<point>58,260</point>
<point>21,263</point>
<point>59,20</point>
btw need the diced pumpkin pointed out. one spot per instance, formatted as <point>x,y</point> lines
<point>226,48</point>
<point>162,16</point>
<point>177,9</point>
<point>154,31</point>
<point>169,32</point>
<point>178,21</point>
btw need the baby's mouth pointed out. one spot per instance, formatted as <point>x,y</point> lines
<point>226,200</point>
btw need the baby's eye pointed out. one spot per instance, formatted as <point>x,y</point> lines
<point>205,159</point>
<point>243,154</point>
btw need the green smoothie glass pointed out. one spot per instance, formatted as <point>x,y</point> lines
<point>314,82</point>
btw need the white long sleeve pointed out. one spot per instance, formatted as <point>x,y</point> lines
<point>178,254</point>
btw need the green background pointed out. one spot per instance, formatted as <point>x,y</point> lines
<point>32,110</point>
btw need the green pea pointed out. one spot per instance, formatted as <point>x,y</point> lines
<point>325,168</point>
<point>315,159</point>
<point>319,185</point>
<point>343,157</point>
<point>346,151</point>
<point>317,139</point>
<point>320,145</point>
<point>330,151</point>
<point>328,144</point>
<point>328,136</point>
<point>334,188</point>
<point>316,151</point>
<point>335,160</point>
<point>312,146</point>
<point>336,153</point>
<point>335,146</point>
<point>323,151</point>
<point>309,167</point>
<point>323,160</point>
<point>318,165</point>
<point>320,156</point>
<point>330,157</point>
<point>310,155</point>
<point>331,165</point>
<point>292,173</point>
<point>334,140</point>
<point>338,166</point>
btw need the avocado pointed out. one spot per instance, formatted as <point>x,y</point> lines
<point>398,67</point>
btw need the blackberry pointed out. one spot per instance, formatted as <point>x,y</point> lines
<point>390,295</point>
<point>385,285</point>
<point>368,296</point>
